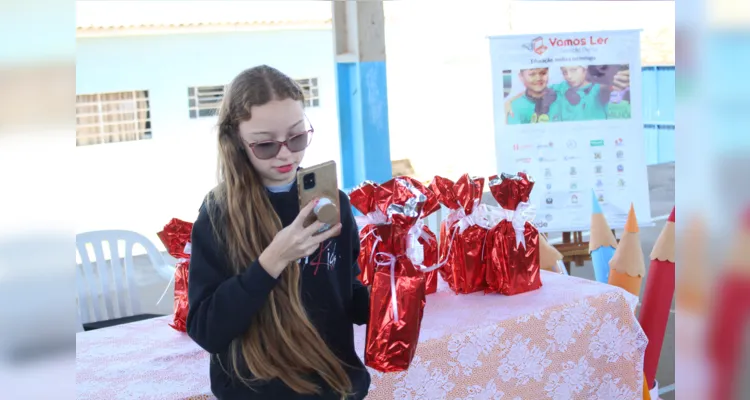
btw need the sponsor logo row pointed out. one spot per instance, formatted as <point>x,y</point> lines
<point>569,144</point>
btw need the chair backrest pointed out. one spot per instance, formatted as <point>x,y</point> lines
<point>106,280</point>
<point>434,220</point>
<point>79,323</point>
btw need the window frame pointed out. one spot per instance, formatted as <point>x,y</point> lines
<point>100,105</point>
<point>311,89</point>
<point>199,105</point>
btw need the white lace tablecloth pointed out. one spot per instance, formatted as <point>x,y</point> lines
<point>572,339</point>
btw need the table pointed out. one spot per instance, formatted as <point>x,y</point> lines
<point>573,338</point>
<point>575,250</point>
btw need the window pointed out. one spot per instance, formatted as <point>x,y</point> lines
<point>310,89</point>
<point>112,117</point>
<point>204,101</point>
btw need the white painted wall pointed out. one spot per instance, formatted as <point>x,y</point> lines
<point>141,185</point>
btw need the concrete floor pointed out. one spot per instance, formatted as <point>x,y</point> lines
<point>661,186</point>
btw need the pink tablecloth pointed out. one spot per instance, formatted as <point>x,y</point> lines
<point>573,338</point>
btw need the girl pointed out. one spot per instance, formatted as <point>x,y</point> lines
<point>273,304</point>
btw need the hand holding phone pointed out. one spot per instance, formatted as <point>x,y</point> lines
<point>294,242</point>
<point>319,184</point>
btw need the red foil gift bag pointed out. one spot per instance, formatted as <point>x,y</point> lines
<point>512,250</point>
<point>397,297</point>
<point>397,302</point>
<point>176,239</point>
<point>424,252</point>
<point>422,245</point>
<point>363,198</point>
<point>463,232</point>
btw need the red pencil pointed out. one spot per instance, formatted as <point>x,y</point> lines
<point>730,316</point>
<point>657,298</point>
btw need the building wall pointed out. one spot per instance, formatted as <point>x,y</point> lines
<point>659,114</point>
<point>141,185</point>
<point>437,115</point>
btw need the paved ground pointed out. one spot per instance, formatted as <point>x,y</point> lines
<point>661,186</point>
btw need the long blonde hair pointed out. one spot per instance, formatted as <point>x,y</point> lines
<point>281,342</point>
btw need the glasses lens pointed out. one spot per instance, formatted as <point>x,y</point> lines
<point>298,142</point>
<point>266,150</point>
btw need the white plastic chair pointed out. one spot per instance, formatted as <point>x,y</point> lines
<point>434,220</point>
<point>106,279</point>
<point>79,324</point>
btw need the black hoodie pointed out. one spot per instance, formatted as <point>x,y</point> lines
<point>222,304</point>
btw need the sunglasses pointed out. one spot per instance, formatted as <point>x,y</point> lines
<point>268,149</point>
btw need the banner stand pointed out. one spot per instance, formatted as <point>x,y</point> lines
<point>568,111</point>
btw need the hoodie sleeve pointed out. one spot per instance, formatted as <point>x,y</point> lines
<point>360,292</point>
<point>221,304</point>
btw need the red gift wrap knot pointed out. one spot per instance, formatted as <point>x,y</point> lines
<point>176,239</point>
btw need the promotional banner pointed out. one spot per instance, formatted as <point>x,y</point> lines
<point>568,112</point>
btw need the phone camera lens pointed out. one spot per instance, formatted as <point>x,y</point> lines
<point>308,181</point>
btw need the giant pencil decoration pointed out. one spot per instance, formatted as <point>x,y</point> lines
<point>602,242</point>
<point>627,267</point>
<point>692,299</point>
<point>550,258</point>
<point>730,315</point>
<point>692,284</point>
<point>657,299</point>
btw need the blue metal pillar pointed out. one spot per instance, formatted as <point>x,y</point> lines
<point>362,95</point>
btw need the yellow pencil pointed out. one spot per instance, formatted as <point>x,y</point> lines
<point>627,267</point>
